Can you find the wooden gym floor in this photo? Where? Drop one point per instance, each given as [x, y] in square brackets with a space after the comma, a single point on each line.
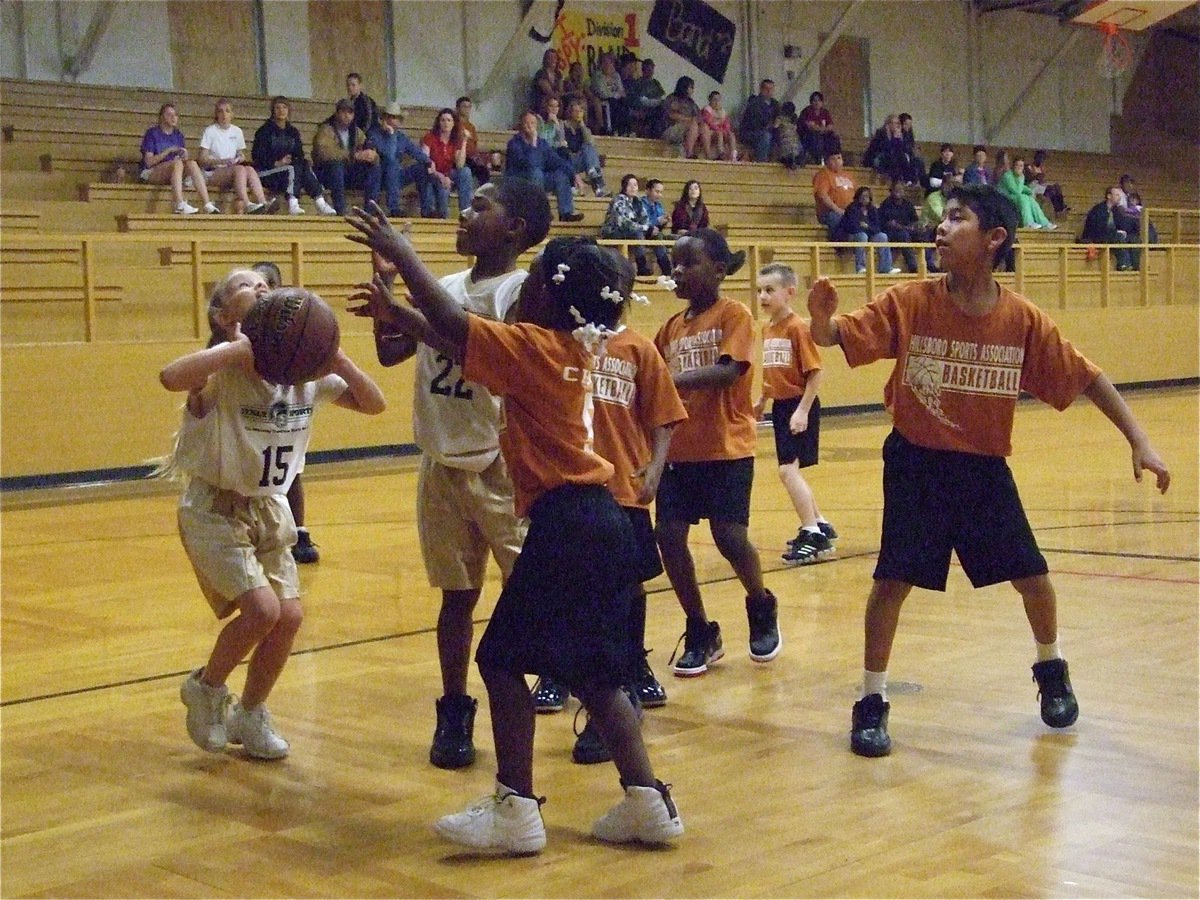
[104, 795]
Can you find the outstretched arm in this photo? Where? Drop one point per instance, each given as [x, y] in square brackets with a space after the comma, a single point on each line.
[1112, 404]
[362, 394]
[191, 372]
[398, 327]
[822, 304]
[442, 312]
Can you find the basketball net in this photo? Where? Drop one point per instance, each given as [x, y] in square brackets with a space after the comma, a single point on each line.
[1116, 56]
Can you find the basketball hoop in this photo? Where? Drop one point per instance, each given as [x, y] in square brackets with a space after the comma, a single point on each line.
[1117, 55]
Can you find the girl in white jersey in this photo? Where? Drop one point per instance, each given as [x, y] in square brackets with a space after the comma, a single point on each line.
[241, 443]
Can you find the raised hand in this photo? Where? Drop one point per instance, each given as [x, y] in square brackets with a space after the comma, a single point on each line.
[376, 232]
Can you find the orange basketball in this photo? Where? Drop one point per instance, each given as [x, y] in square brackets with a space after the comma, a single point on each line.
[294, 334]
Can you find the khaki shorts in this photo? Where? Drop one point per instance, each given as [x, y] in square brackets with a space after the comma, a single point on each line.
[237, 544]
[461, 515]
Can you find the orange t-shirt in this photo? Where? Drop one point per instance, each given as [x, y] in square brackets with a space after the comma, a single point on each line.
[789, 356]
[957, 377]
[542, 379]
[838, 186]
[720, 423]
[633, 394]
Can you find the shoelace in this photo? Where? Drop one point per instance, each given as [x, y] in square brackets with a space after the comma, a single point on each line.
[678, 644]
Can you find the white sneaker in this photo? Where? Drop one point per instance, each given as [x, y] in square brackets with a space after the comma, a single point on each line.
[252, 729]
[860, 270]
[1051, 227]
[253, 207]
[895, 270]
[646, 815]
[294, 207]
[211, 207]
[501, 821]
[206, 711]
[324, 208]
[185, 209]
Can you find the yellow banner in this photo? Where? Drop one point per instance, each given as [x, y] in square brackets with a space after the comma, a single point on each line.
[583, 37]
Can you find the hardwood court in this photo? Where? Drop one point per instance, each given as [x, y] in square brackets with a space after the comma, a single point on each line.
[104, 795]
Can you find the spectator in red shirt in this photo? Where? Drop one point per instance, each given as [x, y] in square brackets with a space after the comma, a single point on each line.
[447, 148]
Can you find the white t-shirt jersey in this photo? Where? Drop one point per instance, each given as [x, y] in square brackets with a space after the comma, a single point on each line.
[457, 422]
[255, 435]
[223, 143]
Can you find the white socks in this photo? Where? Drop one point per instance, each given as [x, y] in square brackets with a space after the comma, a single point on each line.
[875, 683]
[1048, 651]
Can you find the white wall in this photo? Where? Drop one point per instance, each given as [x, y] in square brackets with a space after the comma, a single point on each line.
[918, 58]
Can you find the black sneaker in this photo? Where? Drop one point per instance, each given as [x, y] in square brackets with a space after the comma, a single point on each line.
[807, 549]
[549, 696]
[589, 749]
[647, 688]
[828, 530]
[304, 551]
[571, 217]
[701, 646]
[453, 747]
[1059, 707]
[765, 642]
[868, 727]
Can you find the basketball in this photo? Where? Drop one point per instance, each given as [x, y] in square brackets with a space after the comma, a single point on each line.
[294, 334]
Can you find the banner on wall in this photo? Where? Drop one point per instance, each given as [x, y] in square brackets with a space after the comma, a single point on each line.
[695, 31]
[584, 36]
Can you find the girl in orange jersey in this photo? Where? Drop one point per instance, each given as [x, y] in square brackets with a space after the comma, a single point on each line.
[710, 466]
[560, 613]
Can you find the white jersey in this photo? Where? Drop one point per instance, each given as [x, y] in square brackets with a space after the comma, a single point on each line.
[457, 422]
[223, 143]
[255, 435]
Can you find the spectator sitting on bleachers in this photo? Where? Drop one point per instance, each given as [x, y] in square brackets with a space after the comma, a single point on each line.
[445, 145]
[978, 172]
[550, 126]
[681, 118]
[657, 222]
[716, 130]
[278, 155]
[1035, 177]
[942, 168]
[223, 158]
[476, 159]
[916, 165]
[932, 213]
[898, 217]
[689, 213]
[860, 223]
[630, 68]
[366, 113]
[341, 157]
[1130, 214]
[627, 219]
[886, 154]
[581, 148]
[1012, 185]
[1002, 165]
[644, 101]
[787, 136]
[531, 158]
[816, 129]
[165, 161]
[757, 126]
[575, 84]
[833, 191]
[392, 145]
[1101, 227]
[609, 91]
[547, 81]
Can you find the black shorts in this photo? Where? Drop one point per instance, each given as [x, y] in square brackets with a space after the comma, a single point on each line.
[647, 563]
[796, 448]
[935, 501]
[564, 610]
[717, 490]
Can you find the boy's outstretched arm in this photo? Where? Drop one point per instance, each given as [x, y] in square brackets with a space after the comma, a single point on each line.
[822, 304]
[375, 231]
[1112, 404]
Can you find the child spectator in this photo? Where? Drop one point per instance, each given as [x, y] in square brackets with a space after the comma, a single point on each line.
[1035, 177]
[560, 613]
[787, 136]
[234, 520]
[816, 129]
[366, 113]
[791, 378]
[710, 466]
[946, 485]
[716, 131]
[689, 213]
[942, 168]
[657, 223]
[465, 505]
[165, 161]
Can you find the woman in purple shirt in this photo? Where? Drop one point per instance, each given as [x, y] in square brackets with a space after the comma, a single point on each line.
[165, 161]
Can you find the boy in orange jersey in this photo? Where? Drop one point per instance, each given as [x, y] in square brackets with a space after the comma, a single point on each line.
[710, 466]
[791, 377]
[636, 410]
[964, 349]
[562, 611]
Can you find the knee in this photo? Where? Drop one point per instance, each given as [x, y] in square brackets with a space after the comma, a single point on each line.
[731, 539]
[291, 615]
[260, 609]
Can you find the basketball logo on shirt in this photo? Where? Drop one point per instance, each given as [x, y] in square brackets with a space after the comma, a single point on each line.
[935, 365]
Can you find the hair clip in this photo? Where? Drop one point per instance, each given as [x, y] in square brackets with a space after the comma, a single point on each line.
[612, 295]
[667, 281]
[576, 314]
[561, 275]
[639, 298]
[593, 337]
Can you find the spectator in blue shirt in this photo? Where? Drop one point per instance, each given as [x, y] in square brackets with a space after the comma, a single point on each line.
[529, 157]
[393, 145]
[658, 222]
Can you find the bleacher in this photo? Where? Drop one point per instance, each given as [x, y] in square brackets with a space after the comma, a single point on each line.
[89, 252]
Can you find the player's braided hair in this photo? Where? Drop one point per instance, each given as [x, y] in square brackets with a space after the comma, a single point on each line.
[588, 285]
